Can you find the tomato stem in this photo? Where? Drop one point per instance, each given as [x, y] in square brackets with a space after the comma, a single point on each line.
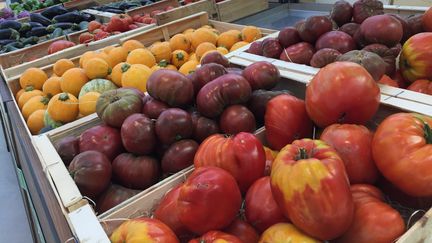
[427, 133]
[302, 154]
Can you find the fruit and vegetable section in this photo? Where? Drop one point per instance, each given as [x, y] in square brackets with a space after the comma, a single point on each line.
[194, 131]
[390, 46]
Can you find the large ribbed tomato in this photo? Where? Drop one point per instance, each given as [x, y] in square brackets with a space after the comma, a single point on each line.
[402, 150]
[374, 220]
[209, 200]
[143, 230]
[353, 144]
[284, 232]
[311, 187]
[342, 92]
[241, 155]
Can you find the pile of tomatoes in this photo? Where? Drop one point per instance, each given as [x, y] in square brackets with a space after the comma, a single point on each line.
[317, 189]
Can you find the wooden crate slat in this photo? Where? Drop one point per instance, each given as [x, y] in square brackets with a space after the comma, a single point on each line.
[53, 164]
[86, 227]
[231, 10]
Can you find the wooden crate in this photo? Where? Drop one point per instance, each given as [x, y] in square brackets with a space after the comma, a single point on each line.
[164, 32]
[80, 215]
[12, 75]
[303, 74]
[144, 205]
[231, 10]
[187, 10]
[24, 55]
[41, 57]
[151, 7]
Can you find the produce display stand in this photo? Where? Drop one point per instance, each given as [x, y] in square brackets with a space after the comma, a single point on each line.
[64, 214]
[39, 154]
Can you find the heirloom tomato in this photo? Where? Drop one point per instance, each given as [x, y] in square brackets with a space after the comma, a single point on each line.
[311, 187]
[353, 144]
[414, 60]
[402, 150]
[143, 230]
[261, 209]
[208, 200]
[243, 230]
[286, 120]
[342, 92]
[270, 157]
[421, 86]
[215, 236]
[284, 232]
[167, 212]
[374, 220]
[241, 155]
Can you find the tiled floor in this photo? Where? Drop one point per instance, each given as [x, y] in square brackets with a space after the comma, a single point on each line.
[14, 226]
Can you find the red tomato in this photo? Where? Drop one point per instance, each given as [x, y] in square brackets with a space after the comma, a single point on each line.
[59, 45]
[342, 92]
[261, 209]
[402, 150]
[167, 212]
[422, 86]
[85, 38]
[270, 156]
[286, 120]
[208, 200]
[93, 25]
[283, 233]
[353, 144]
[388, 81]
[374, 221]
[241, 155]
[143, 230]
[311, 187]
[242, 230]
[215, 237]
